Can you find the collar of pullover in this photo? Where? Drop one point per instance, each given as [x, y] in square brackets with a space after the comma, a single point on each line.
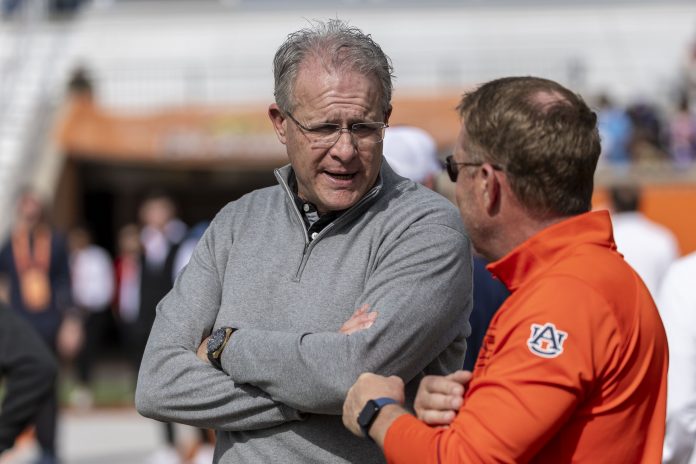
[386, 182]
[534, 256]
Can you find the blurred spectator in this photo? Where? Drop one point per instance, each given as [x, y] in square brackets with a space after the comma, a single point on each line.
[412, 153]
[29, 371]
[160, 237]
[35, 262]
[127, 295]
[202, 450]
[65, 8]
[80, 84]
[682, 128]
[60, 8]
[93, 290]
[489, 294]
[9, 7]
[677, 306]
[188, 244]
[615, 130]
[647, 144]
[690, 74]
[647, 246]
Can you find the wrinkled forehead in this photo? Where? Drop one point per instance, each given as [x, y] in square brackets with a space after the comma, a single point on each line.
[315, 80]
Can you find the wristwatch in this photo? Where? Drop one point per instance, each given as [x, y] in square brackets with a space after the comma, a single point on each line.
[369, 413]
[217, 343]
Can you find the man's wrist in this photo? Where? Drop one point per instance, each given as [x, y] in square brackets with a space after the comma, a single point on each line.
[370, 411]
[217, 344]
[386, 417]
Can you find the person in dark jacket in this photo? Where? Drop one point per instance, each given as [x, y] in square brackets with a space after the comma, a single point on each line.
[34, 262]
[28, 369]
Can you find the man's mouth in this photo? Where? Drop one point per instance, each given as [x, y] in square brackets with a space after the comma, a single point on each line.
[340, 176]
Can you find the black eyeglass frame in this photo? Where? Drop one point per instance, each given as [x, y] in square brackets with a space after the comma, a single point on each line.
[452, 166]
[339, 130]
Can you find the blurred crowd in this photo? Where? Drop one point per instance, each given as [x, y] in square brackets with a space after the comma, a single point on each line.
[72, 291]
[643, 133]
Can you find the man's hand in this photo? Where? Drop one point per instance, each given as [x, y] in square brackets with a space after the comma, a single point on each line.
[369, 387]
[360, 320]
[440, 397]
[202, 351]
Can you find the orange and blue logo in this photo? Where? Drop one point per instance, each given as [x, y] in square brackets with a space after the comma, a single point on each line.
[546, 340]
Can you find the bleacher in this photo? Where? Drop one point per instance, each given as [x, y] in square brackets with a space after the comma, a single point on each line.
[147, 55]
[32, 65]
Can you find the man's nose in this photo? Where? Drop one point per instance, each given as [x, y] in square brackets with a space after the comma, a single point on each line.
[345, 147]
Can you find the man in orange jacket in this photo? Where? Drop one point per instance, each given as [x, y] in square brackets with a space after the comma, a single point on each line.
[573, 366]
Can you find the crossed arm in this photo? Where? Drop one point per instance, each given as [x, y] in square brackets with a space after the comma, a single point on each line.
[361, 319]
[437, 402]
[303, 372]
[497, 423]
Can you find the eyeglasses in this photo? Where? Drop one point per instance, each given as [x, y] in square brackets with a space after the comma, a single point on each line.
[453, 167]
[326, 135]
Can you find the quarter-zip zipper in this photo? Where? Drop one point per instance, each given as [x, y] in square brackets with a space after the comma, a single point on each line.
[309, 245]
[298, 216]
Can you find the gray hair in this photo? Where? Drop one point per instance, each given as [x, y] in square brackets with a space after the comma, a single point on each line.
[338, 47]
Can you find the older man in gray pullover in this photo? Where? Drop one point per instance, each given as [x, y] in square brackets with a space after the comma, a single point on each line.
[259, 339]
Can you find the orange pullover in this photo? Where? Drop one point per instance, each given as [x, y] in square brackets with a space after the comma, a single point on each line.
[573, 366]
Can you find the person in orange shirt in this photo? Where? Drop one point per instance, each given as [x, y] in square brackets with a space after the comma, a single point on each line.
[573, 366]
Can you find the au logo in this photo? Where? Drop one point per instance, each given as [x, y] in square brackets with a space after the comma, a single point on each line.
[546, 340]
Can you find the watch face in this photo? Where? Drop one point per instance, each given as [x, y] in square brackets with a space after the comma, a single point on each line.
[216, 340]
[367, 414]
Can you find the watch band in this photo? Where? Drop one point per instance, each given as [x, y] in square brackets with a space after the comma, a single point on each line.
[370, 412]
[215, 353]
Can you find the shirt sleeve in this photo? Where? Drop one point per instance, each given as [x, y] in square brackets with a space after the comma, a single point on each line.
[173, 384]
[421, 289]
[29, 370]
[677, 305]
[534, 378]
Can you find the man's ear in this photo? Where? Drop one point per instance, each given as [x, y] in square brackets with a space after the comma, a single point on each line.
[279, 122]
[387, 115]
[491, 189]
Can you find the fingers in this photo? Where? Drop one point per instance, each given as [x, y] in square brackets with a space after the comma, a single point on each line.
[361, 310]
[461, 377]
[440, 397]
[357, 323]
[446, 385]
[202, 351]
[359, 320]
[436, 418]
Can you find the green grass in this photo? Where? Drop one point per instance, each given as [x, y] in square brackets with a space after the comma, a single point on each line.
[112, 386]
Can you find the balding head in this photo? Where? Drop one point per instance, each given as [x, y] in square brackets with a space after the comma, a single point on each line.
[543, 135]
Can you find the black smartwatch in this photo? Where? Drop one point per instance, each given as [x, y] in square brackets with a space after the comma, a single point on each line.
[369, 413]
[216, 343]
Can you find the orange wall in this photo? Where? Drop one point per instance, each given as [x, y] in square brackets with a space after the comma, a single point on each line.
[673, 206]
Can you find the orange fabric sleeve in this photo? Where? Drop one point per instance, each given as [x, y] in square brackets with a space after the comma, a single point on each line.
[518, 400]
[410, 441]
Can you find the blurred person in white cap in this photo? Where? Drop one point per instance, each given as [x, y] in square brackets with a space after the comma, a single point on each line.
[412, 153]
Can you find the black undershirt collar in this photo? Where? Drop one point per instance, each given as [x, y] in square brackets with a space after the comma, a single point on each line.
[313, 221]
